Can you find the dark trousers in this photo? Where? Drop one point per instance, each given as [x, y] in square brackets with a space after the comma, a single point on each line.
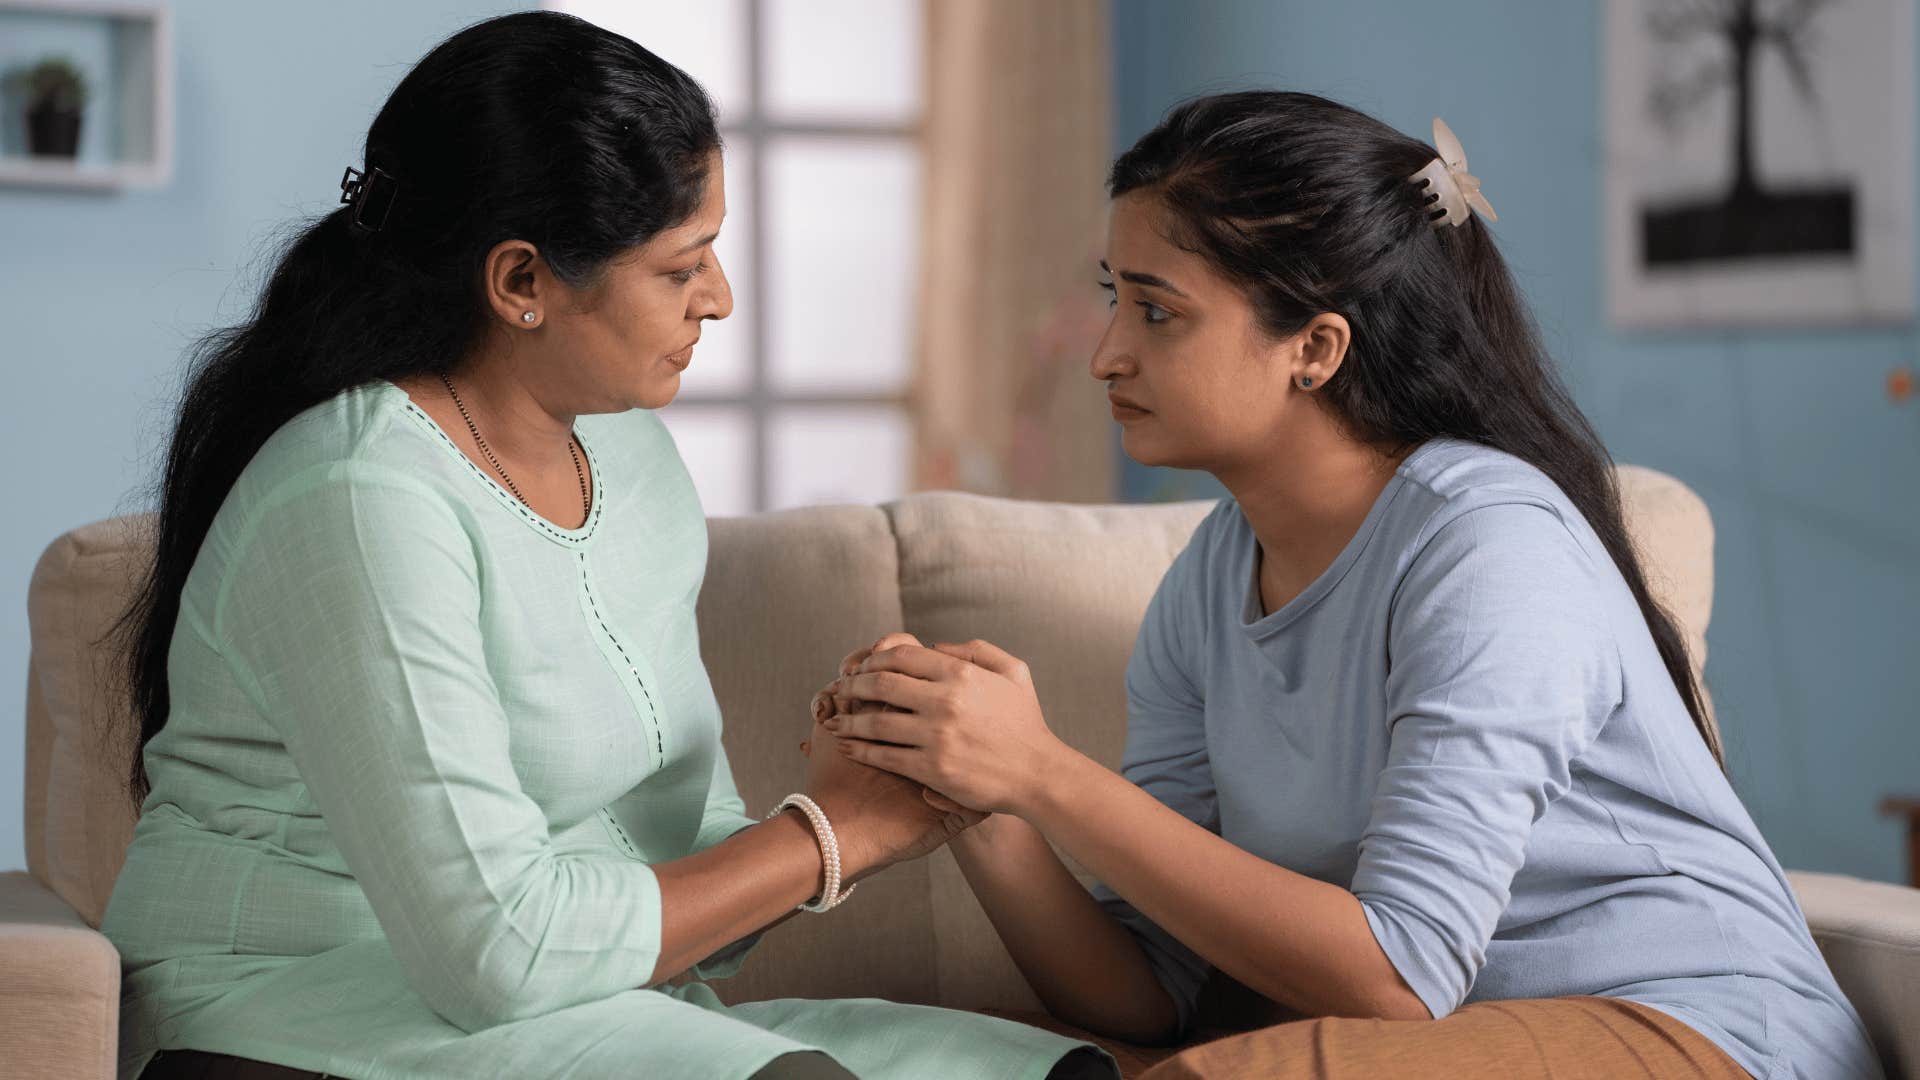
[201, 1065]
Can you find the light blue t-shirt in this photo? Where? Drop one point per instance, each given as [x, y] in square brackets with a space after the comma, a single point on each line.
[1465, 721]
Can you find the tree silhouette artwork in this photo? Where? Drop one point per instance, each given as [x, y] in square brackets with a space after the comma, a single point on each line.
[1749, 218]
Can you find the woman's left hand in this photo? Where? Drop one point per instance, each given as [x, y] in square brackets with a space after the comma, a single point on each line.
[964, 720]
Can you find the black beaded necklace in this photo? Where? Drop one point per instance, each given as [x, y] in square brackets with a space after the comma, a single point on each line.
[586, 500]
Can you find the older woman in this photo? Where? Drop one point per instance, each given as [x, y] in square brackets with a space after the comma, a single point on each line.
[435, 780]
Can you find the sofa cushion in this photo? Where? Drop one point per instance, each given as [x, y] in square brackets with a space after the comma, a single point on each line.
[79, 814]
[59, 986]
[1869, 932]
[1673, 531]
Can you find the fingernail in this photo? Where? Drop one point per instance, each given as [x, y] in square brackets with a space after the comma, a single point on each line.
[831, 723]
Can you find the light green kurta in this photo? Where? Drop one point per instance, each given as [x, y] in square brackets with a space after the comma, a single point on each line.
[424, 745]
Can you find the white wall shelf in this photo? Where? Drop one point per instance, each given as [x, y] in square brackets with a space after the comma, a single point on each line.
[124, 49]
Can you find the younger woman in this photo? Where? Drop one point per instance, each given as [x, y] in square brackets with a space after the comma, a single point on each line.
[1411, 748]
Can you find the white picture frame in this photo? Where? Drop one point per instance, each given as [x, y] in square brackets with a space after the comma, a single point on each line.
[133, 111]
[1808, 218]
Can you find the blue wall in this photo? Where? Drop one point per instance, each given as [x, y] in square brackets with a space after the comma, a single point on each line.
[103, 291]
[1812, 474]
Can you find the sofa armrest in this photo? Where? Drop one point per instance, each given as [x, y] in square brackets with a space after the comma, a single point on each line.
[59, 986]
[1870, 934]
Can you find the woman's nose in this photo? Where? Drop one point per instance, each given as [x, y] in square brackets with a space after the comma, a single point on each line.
[716, 302]
[1109, 358]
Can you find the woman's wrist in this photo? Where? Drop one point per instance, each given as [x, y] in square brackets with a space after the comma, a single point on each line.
[1072, 778]
[857, 859]
[794, 821]
[988, 836]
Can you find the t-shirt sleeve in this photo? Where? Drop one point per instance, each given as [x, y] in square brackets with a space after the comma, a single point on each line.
[1166, 753]
[1503, 670]
[350, 612]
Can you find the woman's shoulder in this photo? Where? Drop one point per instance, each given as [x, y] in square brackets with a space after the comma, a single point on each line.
[345, 438]
[1466, 473]
[1454, 477]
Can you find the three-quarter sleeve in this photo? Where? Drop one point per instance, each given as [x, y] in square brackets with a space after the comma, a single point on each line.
[1166, 754]
[1503, 670]
[350, 613]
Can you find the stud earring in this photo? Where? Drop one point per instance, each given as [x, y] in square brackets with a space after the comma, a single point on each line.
[1306, 383]
[526, 316]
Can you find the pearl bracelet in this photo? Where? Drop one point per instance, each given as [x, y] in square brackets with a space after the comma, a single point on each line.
[831, 897]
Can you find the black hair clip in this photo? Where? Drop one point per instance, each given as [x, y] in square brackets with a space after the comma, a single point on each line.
[371, 195]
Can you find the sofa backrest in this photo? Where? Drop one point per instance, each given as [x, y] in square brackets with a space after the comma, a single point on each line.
[787, 595]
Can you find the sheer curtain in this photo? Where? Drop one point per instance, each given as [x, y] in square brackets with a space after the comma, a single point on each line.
[1016, 146]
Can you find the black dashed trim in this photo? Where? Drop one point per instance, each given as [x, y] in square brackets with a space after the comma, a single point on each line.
[659, 745]
[620, 832]
[578, 536]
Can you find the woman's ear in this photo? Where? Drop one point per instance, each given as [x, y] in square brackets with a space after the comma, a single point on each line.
[1323, 347]
[516, 284]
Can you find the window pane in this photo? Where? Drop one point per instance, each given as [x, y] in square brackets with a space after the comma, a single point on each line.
[838, 454]
[842, 60]
[843, 237]
[715, 442]
[723, 361]
[707, 40]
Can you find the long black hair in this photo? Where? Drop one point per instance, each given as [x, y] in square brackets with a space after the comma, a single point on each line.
[1305, 205]
[536, 126]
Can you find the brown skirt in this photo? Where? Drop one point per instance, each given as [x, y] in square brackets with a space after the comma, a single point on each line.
[1564, 1038]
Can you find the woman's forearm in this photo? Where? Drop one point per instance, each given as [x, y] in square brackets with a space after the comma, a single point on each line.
[1297, 940]
[1084, 966]
[751, 880]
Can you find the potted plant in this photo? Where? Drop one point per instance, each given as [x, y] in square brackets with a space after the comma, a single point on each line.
[56, 92]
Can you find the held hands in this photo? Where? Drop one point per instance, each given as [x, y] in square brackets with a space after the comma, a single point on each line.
[961, 719]
[879, 818]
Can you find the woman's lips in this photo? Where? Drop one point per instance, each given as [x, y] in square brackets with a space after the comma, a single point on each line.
[681, 359]
[1123, 411]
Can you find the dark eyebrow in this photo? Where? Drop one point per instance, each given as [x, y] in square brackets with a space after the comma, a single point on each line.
[1151, 280]
[702, 242]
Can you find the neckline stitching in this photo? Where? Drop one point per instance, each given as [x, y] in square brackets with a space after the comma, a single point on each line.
[501, 495]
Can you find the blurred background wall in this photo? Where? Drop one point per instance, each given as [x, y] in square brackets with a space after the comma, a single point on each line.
[104, 291]
[1811, 472]
[1807, 466]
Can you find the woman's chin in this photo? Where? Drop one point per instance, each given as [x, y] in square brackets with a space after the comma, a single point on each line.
[659, 392]
[1146, 450]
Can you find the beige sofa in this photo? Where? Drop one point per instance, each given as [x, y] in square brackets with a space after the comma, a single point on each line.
[786, 596]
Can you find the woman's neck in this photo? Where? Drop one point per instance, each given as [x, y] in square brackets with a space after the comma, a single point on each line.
[1305, 502]
[510, 414]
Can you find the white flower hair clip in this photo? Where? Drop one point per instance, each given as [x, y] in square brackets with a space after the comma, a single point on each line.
[1451, 189]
